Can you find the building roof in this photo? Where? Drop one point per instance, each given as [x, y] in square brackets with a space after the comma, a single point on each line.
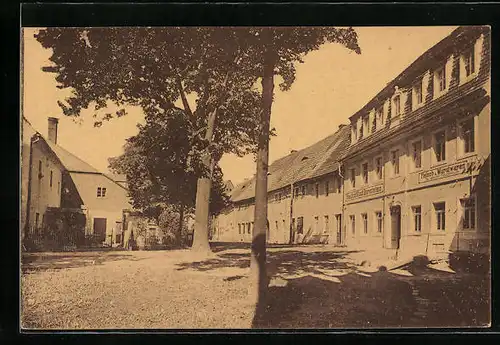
[117, 177]
[71, 162]
[433, 54]
[456, 98]
[316, 160]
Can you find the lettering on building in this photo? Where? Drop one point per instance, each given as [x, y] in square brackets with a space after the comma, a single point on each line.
[460, 168]
[360, 193]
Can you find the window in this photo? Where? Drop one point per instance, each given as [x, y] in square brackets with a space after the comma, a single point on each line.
[467, 135]
[378, 167]
[439, 146]
[338, 184]
[327, 188]
[395, 162]
[326, 228]
[417, 89]
[239, 228]
[296, 192]
[469, 213]
[293, 224]
[378, 217]
[364, 217]
[366, 124]
[37, 220]
[51, 177]
[361, 130]
[316, 189]
[469, 62]
[353, 224]
[397, 105]
[249, 227]
[300, 225]
[416, 149]
[303, 192]
[355, 132]
[40, 175]
[440, 210]
[379, 117]
[441, 79]
[417, 218]
[101, 192]
[365, 173]
[353, 178]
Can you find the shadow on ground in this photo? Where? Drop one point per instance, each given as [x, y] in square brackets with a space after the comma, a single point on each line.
[322, 289]
[33, 262]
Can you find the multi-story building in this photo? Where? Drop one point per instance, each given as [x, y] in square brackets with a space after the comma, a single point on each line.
[311, 176]
[415, 176]
[417, 169]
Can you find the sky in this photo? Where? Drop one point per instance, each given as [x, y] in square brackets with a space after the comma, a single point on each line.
[331, 85]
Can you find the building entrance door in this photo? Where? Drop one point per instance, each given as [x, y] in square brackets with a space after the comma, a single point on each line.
[100, 229]
[395, 226]
[338, 226]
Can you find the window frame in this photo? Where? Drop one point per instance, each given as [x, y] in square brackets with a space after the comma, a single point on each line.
[381, 176]
[463, 210]
[398, 160]
[434, 142]
[462, 144]
[352, 221]
[414, 217]
[419, 140]
[418, 84]
[436, 224]
[439, 82]
[379, 229]
[364, 220]
[469, 52]
[365, 178]
[393, 105]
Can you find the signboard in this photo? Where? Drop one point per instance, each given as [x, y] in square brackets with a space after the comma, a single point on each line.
[460, 168]
[360, 193]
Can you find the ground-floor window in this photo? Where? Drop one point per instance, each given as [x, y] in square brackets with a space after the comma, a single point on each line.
[326, 228]
[353, 224]
[378, 218]
[469, 213]
[417, 218]
[249, 227]
[239, 228]
[440, 210]
[364, 217]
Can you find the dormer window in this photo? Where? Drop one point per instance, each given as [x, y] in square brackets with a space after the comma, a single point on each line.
[379, 118]
[354, 132]
[417, 93]
[396, 105]
[469, 62]
[441, 79]
[366, 124]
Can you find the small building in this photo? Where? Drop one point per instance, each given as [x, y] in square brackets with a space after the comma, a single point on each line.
[54, 178]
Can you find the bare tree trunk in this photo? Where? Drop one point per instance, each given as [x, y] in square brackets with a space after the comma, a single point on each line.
[258, 274]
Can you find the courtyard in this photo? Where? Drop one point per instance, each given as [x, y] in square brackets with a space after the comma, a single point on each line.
[311, 286]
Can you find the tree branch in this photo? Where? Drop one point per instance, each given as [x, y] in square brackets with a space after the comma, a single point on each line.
[185, 102]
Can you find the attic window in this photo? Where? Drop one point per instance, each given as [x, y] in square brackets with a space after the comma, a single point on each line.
[101, 192]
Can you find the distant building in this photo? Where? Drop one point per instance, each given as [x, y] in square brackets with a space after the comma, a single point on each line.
[410, 173]
[59, 179]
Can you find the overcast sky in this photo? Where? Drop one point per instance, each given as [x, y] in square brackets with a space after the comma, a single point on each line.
[331, 85]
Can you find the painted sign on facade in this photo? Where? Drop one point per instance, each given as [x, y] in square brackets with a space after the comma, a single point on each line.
[360, 193]
[460, 168]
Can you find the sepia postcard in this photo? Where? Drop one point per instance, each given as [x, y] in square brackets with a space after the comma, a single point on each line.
[255, 177]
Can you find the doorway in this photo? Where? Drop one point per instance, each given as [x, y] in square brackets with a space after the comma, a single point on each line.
[338, 226]
[395, 226]
[100, 229]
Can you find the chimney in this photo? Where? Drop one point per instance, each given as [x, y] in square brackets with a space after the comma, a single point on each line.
[53, 129]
